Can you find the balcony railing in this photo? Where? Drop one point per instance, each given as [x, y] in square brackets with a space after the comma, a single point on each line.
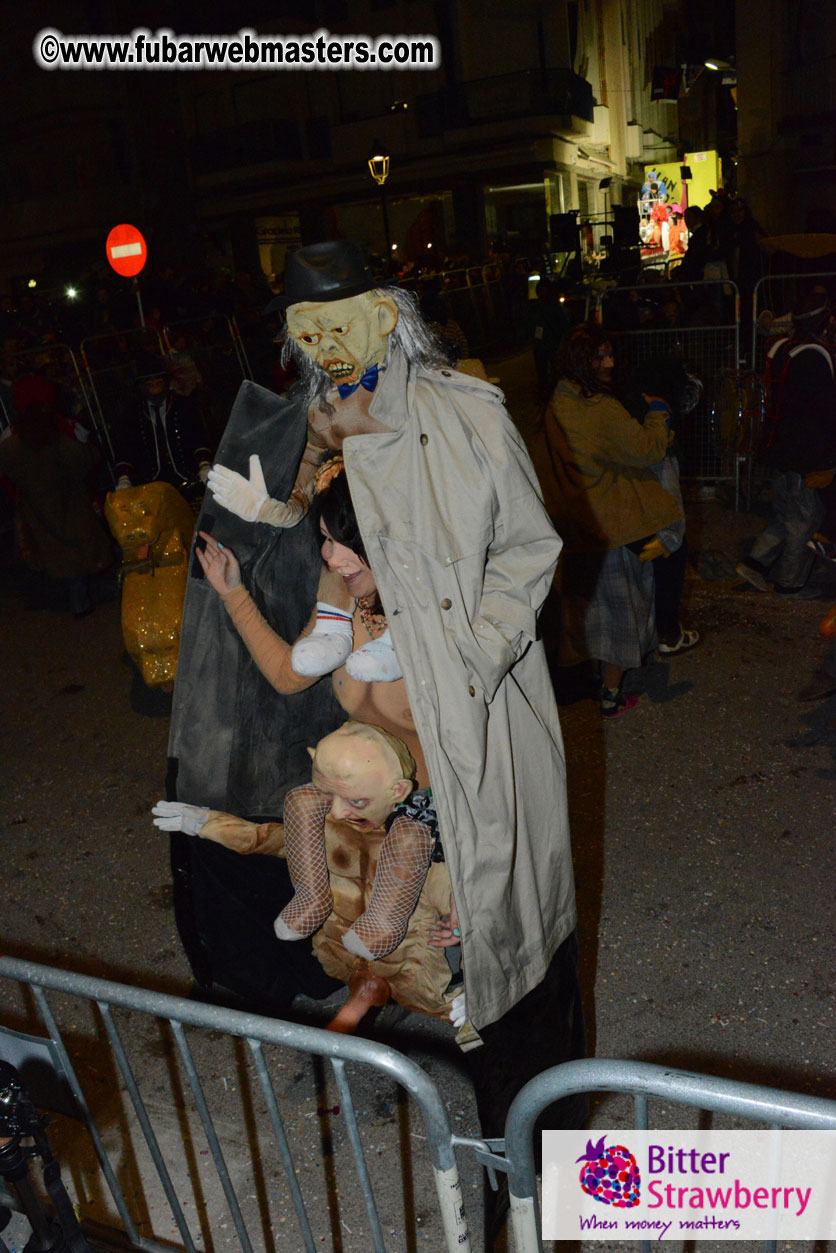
[529, 93]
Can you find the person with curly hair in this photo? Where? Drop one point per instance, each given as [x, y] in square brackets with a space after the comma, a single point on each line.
[596, 470]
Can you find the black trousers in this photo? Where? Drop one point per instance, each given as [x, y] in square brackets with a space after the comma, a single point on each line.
[544, 1029]
[225, 905]
[669, 575]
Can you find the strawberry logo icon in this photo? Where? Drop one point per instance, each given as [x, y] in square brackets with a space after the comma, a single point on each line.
[610, 1175]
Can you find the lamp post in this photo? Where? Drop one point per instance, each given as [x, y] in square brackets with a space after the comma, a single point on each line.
[379, 170]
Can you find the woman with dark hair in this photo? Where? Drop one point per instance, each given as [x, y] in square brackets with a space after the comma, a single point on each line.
[608, 506]
[384, 704]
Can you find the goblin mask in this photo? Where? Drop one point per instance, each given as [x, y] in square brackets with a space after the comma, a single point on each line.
[344, 337]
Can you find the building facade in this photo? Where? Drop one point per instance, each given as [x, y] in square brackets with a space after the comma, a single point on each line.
[533, 105]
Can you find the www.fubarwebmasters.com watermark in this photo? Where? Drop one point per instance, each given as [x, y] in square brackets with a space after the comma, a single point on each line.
[163, 50]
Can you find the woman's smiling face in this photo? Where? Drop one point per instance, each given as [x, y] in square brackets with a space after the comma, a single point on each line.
[357, 576]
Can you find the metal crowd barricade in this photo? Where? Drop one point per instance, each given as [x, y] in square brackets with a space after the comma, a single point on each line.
[479, 306]
[111, 361]
[209, 356]
[125, 1065]
[737, 417]
[708, 351]
[752, 1102]
[779, 294]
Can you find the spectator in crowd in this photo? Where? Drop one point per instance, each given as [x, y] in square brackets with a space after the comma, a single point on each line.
[160, 434]
[800, 448]
[595, 464]
[677, 235]
[59, 535]
[746, 257]
[437, 314]
[693, 263]
[666, 376]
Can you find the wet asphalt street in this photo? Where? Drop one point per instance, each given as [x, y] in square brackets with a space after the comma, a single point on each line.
[702, 823]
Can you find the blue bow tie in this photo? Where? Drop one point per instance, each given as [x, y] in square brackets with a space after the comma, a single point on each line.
[369, 381]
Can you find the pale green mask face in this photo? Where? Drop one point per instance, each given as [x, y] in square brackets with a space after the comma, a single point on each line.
[344, 337]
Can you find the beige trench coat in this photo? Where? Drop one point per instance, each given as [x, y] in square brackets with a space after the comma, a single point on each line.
[463, 554]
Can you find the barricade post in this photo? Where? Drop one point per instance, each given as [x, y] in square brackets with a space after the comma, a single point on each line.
[257, 1031]
[110, 361]
[207, 357]
[642, 1080]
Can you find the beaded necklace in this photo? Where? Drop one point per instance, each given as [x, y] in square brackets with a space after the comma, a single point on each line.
[375, 623]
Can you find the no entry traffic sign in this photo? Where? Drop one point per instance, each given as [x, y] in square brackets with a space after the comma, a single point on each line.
[126, 250]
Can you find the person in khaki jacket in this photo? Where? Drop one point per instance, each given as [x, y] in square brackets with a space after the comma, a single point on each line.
[463, 555]
[595, 464]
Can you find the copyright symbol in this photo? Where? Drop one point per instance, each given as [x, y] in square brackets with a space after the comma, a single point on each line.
[46, 48]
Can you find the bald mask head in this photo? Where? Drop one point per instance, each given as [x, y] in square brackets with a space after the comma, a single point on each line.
[361, 772]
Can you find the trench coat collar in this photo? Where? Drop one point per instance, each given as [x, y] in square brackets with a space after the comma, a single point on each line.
[393, 395]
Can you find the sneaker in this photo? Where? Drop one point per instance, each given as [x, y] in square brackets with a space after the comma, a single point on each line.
[687, 639]
[614, 704]
[752, 575]
[823, 547]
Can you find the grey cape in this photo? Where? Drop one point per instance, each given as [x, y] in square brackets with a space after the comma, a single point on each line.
[236, 744]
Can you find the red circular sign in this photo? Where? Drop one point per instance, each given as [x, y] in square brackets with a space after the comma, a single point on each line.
[126, 250]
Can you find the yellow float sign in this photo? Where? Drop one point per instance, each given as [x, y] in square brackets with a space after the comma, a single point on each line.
[705, 178]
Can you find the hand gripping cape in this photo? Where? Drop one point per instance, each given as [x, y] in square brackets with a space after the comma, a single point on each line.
[236, 745]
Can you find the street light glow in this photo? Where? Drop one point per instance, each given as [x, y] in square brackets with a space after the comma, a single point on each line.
[71, 293]
[33, 282]
[378, 163]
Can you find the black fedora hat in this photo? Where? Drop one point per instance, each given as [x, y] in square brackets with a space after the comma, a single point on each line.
[333, 270]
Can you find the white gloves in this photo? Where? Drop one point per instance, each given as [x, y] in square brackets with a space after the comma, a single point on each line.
[246, 498]
[177, 816]
[458, 1010]
[243, 497]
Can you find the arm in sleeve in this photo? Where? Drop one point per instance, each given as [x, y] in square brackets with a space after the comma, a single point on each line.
[291, 511]
[242, 836]
[627, 442]
[268, 650]
[519, 565]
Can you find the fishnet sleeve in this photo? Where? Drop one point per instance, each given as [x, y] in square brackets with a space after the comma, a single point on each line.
[305, 811]
[401, 870]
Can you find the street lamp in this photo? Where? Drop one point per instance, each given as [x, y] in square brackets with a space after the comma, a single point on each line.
[379, 170]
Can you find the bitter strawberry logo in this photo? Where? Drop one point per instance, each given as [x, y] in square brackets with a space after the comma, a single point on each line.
[610, 1175]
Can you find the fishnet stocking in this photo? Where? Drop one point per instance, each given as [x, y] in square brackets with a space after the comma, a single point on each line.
[305, 811]
[401, 870]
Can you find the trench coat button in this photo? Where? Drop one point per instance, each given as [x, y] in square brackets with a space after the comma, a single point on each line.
[472, 690]
[425, 439]
[447, 603]
[447, 374]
